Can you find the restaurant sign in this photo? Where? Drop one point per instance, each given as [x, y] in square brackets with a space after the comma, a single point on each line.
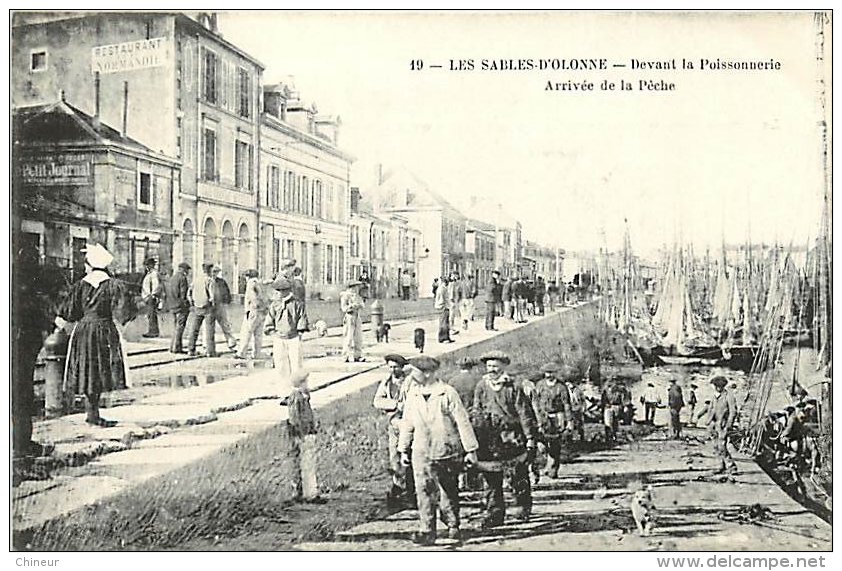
[129, 56]
[63, 169]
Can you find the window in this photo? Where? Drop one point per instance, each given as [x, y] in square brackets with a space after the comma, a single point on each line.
[276, 255]
[274, 187]
[355, 241]
[290, 253]
[289, 177]
[329, 273]
[210, 87]
[244, 84]
[242, 165]
[38, 60]
[317, 200]
[144, 191]
[303, 261]
[340, 263]
[305, 191]
[209, 171]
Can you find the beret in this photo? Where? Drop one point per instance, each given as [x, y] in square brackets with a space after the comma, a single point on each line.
[425, 363]
[395, 358]
[495, 356]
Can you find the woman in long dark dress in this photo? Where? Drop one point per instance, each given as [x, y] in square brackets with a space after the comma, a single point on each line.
[95, 357]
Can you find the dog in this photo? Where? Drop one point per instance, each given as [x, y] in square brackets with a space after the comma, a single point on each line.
[321, 328]
[382, 332]
[643, 510]
[419, 339]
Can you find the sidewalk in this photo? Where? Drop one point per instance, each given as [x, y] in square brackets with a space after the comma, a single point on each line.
[165, 431]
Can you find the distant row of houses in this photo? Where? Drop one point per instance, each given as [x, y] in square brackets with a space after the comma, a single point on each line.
[151, 133]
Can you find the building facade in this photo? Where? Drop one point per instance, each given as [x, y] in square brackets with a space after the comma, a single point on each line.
[77, 180]
[441, 225]
[305, 192]
[173, 84]
[480, 249]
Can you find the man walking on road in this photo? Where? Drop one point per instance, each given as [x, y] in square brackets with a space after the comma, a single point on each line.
[152, 292]
[222, 297]
[286, 321]
[441, 305]
[255, 306]
[437, 429]
[692, 401]
[201, 296]
[468, 291]
[722, 416]
[650, 400]
[506, 296]
[350, 303]
[406, 285]
[507, 431]
[555, 416]
[493, 298]
[675, 400]
[390, 398]
[179, 303]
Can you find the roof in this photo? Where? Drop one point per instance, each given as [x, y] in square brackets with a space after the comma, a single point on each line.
[420, 185]
[63, 124]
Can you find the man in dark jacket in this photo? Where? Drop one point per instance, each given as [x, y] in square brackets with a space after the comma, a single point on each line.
[493, 298]
[222, 297]
[675, 400]
[179, 304]
[506, 428]
[555, 415]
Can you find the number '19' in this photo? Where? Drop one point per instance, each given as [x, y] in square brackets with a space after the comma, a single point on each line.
[416, 65]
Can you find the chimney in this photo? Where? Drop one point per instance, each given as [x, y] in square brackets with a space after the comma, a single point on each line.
[125, 108]
[96, 99]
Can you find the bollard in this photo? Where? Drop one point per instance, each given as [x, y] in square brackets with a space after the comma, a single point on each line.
[55, 355]
[376, 313]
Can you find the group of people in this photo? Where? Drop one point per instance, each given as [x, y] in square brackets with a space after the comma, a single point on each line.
[454, 302]
[434, 438]
[517, 298]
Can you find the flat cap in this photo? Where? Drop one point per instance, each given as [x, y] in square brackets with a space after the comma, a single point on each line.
[395, 358]
[467, 362]
[149, 262]
[550, 367]
[425, 363]
[694, 386]
[719, 381]
[184, 266]
[495, 356]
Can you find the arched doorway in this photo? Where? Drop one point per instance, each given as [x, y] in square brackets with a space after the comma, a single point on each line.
[209, 242]
[188, 238]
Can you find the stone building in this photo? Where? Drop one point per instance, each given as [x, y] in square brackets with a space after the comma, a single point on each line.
[173, 84]
[77, 179]
[441, 225]
[305, 192]
[479, 249]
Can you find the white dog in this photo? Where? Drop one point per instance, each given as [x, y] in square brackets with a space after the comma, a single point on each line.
[643, 510]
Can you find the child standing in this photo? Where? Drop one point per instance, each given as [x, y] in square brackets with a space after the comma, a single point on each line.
[302, 431]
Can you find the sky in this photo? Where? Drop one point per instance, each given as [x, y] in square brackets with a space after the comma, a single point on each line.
[727, 154]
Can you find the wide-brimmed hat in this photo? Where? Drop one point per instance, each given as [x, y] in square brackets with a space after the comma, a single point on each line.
[719, 381]
[425, 363]
[396, 359]
[97, 256]
[150, 262]
[495, 356]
